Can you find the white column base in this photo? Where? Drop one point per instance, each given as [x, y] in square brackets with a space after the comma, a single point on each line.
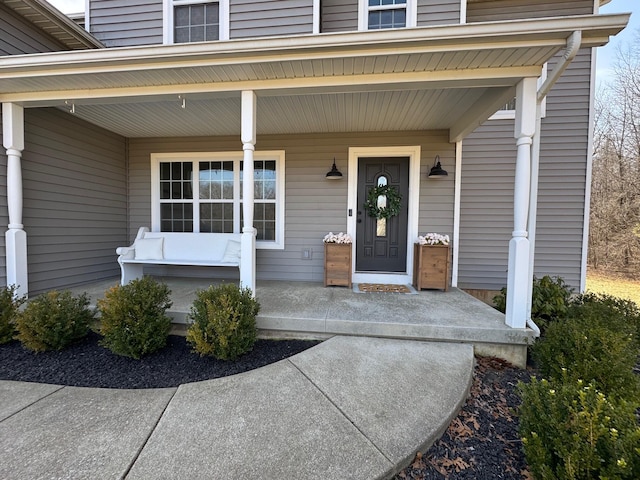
[16, 250]
[517, 288]
[248, 259]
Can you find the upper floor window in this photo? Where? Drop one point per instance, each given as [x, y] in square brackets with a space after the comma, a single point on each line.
[187, 21]
[384, 14]
[196, 23]
[387, 14]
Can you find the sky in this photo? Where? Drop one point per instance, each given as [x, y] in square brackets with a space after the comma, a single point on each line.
[606, 54]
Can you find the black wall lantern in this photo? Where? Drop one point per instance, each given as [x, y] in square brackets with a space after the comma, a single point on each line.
[334, 173]
[437, 171]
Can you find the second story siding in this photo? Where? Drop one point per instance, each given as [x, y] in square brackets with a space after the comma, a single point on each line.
[440, 12]
[251, 18]
[121, 23]
[495, 10]
[338, 16]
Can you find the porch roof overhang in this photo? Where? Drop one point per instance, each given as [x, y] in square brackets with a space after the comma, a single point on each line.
[445, 77]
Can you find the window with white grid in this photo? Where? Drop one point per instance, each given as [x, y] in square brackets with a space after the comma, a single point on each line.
[203, 193]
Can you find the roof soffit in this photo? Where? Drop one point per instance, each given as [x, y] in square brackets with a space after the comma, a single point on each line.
[55, 23]
[498, 49]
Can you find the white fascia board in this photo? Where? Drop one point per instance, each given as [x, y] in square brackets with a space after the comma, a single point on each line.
[443, 79]
[476, 36]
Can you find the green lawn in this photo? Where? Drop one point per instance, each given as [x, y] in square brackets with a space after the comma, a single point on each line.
[598, 282]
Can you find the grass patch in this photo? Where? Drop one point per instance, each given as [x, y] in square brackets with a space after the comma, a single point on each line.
[598, 282]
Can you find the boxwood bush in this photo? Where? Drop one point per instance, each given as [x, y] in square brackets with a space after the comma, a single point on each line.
[9, 308]
[570, 430]
[54, 320]
[133, 319]
[223, 321]
[597, 342]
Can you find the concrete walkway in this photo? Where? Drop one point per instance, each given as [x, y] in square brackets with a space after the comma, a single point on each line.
[351, 407]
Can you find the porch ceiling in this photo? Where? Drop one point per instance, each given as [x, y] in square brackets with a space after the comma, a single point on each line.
[410, 79]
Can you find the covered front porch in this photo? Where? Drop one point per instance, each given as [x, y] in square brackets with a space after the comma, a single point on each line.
[309, 310]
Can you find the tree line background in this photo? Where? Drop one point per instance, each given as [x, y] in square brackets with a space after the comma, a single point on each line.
[614, 236]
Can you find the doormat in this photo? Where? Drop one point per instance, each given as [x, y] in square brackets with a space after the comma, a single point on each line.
[383, 287]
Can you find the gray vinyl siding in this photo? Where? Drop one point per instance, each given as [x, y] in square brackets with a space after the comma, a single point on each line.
[314, 206]
[495, 10]
[75, 206]
[18, 36]
[442, 12]
[121, 23]
[488, 167]
[251, 18]
[487, 188]
[338, 16]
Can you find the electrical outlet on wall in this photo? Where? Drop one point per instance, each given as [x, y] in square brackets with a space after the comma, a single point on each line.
[307, 253]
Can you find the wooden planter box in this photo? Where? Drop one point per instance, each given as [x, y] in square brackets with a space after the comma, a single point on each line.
[337, 264]
[431, 266]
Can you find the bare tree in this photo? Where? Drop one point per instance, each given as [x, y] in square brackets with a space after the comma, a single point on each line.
[614, 237]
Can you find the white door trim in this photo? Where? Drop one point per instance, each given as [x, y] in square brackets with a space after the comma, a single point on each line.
[413, 152]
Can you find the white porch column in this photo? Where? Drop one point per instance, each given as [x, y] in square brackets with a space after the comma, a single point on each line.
[518, 274]
[15, 237]
[248, 136]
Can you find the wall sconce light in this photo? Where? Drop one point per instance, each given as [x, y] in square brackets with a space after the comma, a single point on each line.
[437, 171]
[334, 173]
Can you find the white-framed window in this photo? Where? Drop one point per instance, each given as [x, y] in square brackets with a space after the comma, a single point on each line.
[188, 21]
[213, 203]
[385, 14]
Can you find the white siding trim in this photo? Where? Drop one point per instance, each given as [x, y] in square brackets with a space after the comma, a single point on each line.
[463, 11]
[224, 20]
[87, 15]
[413, 152]
[588, 176]
[316, 17]
[457, 193]
[278, 155]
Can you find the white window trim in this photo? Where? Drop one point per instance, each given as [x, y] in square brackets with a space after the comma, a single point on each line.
[236, 157]
[363, 13]
[511, 114]
[167, 18]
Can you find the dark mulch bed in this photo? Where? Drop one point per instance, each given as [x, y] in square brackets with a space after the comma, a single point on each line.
[87, 364]
[482, 442]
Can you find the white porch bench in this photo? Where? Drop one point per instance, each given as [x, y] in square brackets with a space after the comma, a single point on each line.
[169, 248]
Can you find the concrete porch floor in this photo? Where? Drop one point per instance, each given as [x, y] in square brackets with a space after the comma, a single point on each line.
[312, 311]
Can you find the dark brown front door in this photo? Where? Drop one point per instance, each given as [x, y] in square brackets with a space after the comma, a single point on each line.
[381, 244]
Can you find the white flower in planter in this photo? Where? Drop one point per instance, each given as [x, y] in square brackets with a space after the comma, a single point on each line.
[338, 238]
[433, 239]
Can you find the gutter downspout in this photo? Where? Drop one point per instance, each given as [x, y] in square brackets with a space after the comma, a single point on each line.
[573, 45]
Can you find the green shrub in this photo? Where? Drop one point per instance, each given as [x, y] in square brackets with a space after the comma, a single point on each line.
[223, 321]
[595, 343]
[9, 307]
[572, 431]
[133, 317]
[54, 320]
[549, 301]
[622, 308]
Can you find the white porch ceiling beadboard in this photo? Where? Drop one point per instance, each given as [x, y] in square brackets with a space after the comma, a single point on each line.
[343, 112]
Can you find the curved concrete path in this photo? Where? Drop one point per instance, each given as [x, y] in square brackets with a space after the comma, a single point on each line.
[351, 407]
